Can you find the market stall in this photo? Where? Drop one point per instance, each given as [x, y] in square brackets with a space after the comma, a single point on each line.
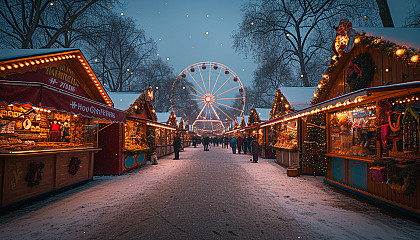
[137, 139]
[372, 141]
[50, 107]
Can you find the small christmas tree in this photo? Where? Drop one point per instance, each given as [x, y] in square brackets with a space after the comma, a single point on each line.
[314, 145]
[181, 124]
[172, 120]
[236, 126]
[280, 105]
[253, 117]
[243, 124]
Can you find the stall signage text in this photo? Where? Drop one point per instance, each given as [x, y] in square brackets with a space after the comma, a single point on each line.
[91, 109]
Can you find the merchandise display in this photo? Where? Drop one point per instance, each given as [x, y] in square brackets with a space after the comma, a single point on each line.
[399, 119]
[25, 127]
[287, 135]
[353, 131]
[135, 136]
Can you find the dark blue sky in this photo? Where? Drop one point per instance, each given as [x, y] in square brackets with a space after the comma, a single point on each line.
[179, 27]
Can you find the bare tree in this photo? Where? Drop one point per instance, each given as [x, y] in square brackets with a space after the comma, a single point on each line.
[119, 53]
[413, 18]
[160, 76]
[40, 23]
[297, 22]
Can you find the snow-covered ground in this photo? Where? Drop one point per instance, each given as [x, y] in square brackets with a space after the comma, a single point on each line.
[325, 211]
[330, 212]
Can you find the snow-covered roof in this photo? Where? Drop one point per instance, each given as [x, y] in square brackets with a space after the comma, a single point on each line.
[163, 116]
[11, 54]
[122, 100]
[408, 37]
[263, 113]
[298, 97]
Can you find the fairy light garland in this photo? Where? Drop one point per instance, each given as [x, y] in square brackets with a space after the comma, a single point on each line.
[406, 55]
[21, 64]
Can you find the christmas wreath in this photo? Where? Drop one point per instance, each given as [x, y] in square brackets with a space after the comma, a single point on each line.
[360, 71]
[74, 165]
[34, 175]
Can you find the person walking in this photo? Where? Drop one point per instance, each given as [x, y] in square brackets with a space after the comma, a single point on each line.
[233, 143]
[239, 143]
[226, 142]
[245, 144]
[177, 145]
[254, 149]
[206, 142]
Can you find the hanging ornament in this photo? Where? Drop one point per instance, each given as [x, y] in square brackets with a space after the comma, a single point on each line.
[241, 90]
[203, 67]
[183, 75]
[192, 69]
[226, 72]
[215, 67]
[235, 79]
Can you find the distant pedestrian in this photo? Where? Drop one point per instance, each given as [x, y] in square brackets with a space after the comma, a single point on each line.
[245, 144]
[177, 145]
[233, 143]
[239, 144]
[226, 142]
[254, 149]
[206, 143]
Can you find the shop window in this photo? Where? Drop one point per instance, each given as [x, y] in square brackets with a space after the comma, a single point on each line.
[287, 135]
[353, 131]
[135, 136]
[26, 127]
[399, 130]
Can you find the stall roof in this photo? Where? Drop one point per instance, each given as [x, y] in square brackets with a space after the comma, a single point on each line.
[20, 61]
[163, 116]
[123, 100]
[298, 97]
[12, 54]
[263, 113]
[408, 37]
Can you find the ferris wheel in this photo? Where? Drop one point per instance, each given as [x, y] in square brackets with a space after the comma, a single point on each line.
[209, 96]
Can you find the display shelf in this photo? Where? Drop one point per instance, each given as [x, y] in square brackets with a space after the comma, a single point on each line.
[11, 153]
[359, 158]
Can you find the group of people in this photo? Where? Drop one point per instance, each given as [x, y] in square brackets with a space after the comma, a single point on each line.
[246, 144]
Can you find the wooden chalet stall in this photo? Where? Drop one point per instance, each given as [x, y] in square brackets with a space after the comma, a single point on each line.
[371, 98]
[130, 145]
[51, 104]
[286, 142]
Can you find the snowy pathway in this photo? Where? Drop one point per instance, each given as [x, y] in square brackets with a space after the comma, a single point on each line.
[206, 195]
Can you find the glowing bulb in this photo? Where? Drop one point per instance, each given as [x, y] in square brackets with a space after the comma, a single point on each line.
[399, 52]
[357, 40]
[415, 58]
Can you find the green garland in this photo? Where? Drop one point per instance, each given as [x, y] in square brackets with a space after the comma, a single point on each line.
[360, 80]
[386, 47]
